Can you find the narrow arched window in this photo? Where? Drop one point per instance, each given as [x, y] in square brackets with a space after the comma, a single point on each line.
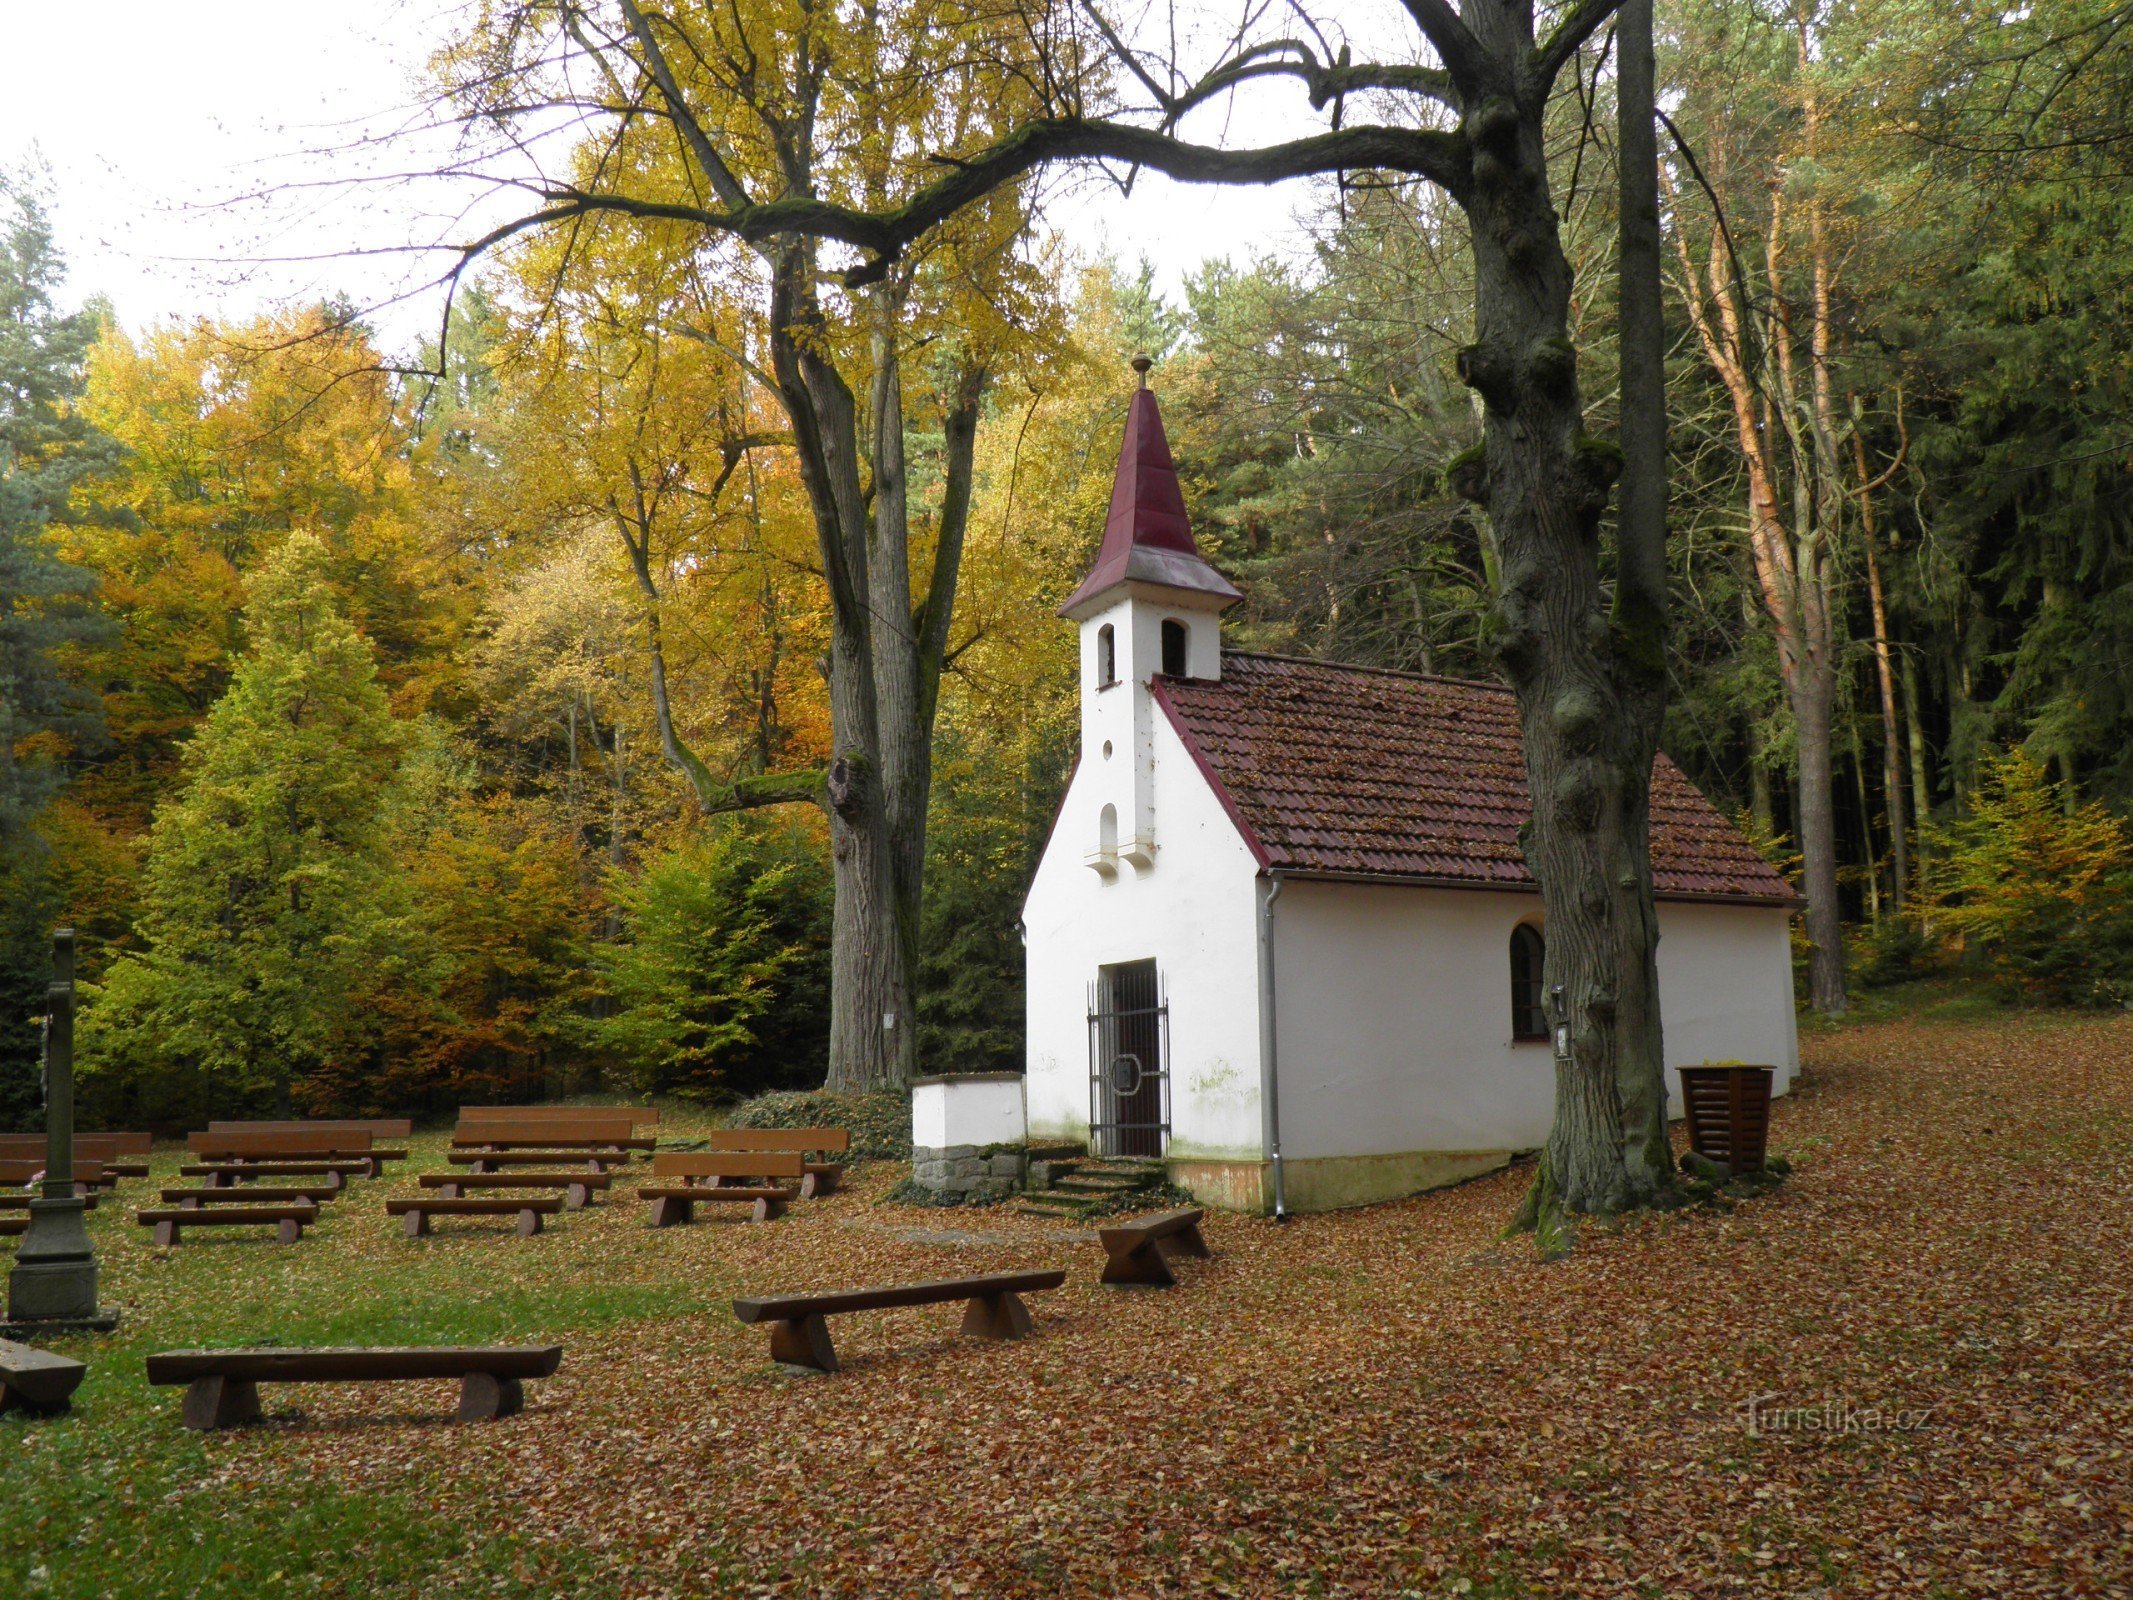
[1107, 831]
[1106, 657]
[1173, 648]
[1529, 1016]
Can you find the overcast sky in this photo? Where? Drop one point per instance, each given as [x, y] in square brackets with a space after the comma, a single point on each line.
[157, 117]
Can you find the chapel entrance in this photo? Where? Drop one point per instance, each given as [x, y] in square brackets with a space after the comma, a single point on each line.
[1129, 1061]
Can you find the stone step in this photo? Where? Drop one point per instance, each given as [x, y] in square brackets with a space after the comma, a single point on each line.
[1105, 1183]
[1055, 1203]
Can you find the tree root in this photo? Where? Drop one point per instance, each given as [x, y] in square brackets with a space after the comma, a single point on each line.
[1554, 1225]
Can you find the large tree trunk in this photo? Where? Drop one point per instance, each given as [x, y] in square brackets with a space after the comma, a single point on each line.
[1588, 685]
[869, 967]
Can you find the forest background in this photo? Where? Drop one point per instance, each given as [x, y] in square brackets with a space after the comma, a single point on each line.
[362, 720]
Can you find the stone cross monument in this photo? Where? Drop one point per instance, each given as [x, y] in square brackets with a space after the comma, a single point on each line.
[53, 1284]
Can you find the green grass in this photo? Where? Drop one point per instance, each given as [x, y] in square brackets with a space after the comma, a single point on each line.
[116, 1500]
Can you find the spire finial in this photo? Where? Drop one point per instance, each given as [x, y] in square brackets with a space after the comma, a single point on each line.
[1141, 363]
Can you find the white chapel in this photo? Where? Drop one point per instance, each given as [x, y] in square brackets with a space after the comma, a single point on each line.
[1282, 936]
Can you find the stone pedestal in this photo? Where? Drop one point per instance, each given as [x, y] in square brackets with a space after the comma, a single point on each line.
[54, 1277]
[968, 1134]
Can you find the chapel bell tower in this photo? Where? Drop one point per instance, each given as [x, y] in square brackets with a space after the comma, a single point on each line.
[1150, 606]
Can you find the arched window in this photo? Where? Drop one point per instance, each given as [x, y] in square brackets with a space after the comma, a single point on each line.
[1529, 1015]
[1106, 657]
[1173, 648]
[1107, 831]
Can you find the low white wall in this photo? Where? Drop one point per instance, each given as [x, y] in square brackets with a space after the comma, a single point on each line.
[979, 1108]
[1394, 1014]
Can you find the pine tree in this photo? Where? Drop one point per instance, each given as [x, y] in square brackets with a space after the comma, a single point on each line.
[271, 902]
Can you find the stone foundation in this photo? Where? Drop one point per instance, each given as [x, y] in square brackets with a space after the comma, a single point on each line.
[969, 1171]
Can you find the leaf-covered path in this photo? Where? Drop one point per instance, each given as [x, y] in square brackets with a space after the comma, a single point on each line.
[1379, 1403]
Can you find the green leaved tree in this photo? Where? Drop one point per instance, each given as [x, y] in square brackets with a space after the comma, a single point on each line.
[271, 902]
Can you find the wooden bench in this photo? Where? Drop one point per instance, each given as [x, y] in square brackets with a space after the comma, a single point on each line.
[817, 1177]
[36, 1380]
[577, 1187]
[640, 1116]
[21, 1201]
[222, 1174]
[18, 1172]
[222, 1385]
[288, 1220]
[14, 1227]
[376, 1127]
[415, 1213]
[800, 1338]
[551, 1133]
[120, 1157]
[251, 1194]
[303, 1145]
[1140, 1251]
[487, 1161]
[695, 1178]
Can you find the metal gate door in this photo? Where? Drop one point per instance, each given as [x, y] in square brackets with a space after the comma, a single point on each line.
[1129, 1061]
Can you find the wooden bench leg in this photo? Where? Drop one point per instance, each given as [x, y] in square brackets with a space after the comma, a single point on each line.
[998, 1316]
[212, 1403]
[668, 1210]
[415, 1224]
[576, 1196]
[766, 1211]
[448, 1191]
[483, 1397]
[290, 1230]
[1187, 1242]
[1140, 1263]
[190, 1203]
[220, 1180]
[803, 1343]
[529, 1223]
[166, 1235]
[336, 1180]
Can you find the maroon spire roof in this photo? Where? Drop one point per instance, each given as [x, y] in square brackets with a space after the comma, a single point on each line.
[1148, 537]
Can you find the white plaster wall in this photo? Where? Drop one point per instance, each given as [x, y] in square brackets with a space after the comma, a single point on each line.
[1394, 1014]
[980, 1110]
[1194, 911]
[1123, 714]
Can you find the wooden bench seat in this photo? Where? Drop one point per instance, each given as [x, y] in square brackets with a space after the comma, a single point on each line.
[250, 1194]
[799, 1337]
[221, 1174]
[684, 1179]
[222, 1385]
[1140, 1251]
[288, 1221]
[20, 1200]
[816, 1177]
[36, 1380]
[415, 1212]
[14, 1227]
[578, 1187]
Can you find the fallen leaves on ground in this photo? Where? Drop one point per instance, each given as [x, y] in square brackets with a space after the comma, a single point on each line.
[1376, 1403]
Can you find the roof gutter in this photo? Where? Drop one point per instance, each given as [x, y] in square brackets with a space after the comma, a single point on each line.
[1269, 1075]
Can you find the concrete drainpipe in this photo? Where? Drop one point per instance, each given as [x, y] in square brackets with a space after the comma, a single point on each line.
[1270, 1078]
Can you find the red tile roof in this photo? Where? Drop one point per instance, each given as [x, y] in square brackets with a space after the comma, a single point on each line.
[1366, 773]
